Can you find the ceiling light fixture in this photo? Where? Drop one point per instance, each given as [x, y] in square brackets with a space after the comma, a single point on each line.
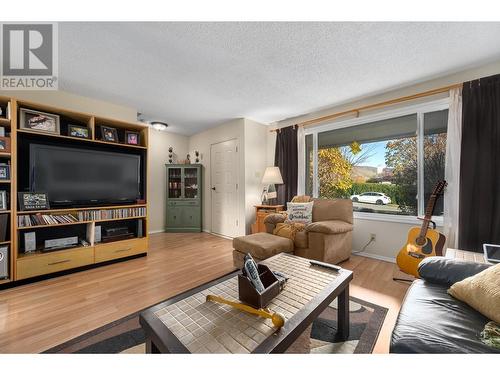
[159, 125]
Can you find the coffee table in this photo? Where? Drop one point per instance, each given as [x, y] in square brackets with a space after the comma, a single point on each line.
[188, 323]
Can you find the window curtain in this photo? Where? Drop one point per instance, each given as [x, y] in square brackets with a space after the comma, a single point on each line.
[286, 158]
[301, 168]
[480, 164]
[452, 168]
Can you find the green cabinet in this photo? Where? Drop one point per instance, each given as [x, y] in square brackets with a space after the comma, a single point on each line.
[184, 198]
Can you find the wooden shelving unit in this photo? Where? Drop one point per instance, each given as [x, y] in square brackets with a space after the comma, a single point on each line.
[27, 265]
[8, 185]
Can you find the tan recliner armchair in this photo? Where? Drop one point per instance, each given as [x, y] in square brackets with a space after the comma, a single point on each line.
[329, 237]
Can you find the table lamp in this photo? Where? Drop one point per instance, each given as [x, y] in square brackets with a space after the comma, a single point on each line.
[272, 176]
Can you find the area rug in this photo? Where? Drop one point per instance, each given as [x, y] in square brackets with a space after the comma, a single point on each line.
[126, 335]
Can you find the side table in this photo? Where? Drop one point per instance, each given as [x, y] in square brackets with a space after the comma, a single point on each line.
[261, 211]
[470, 256]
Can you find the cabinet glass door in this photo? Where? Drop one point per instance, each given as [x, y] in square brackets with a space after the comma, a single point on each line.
[191, 182]
[174, 182]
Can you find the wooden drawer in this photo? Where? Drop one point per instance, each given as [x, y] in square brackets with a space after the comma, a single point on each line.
[42, 264]
[120, 249]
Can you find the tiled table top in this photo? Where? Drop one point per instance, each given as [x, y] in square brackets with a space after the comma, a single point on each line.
[210, 327]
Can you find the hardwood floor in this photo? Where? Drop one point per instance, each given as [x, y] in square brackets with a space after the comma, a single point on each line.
[38, 316]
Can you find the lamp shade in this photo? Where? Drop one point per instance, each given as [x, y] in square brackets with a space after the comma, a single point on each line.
[272, 175]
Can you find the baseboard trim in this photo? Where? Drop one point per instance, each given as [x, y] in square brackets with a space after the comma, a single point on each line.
[217, 235]
[375, 256]
[156, 231]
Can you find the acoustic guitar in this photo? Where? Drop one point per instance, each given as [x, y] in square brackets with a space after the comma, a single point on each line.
[422, 242]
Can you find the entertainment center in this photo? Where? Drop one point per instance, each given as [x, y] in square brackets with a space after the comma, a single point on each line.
[76, 190]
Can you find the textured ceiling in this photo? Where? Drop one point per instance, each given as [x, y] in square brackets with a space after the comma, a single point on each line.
[197, 75]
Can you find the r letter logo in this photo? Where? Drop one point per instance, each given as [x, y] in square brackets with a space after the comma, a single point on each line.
[29, 56]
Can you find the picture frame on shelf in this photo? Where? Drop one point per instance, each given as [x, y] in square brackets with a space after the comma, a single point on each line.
[3, 201]
[109, 134]
[132, 138]
[4, 144]
[39, 121]
[78, 131]
[30, 201]
[4, 172]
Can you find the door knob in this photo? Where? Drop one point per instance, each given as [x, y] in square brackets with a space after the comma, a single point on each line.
[213, 188]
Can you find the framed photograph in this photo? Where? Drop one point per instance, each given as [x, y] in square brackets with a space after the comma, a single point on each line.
[132, 138]
[4, 172]
[4, 144]
[33, 201]
[78, 131]
[3, 200]
[109, 134]
[39, 121]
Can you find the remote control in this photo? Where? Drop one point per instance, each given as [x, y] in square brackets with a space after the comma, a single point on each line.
[325, 265]
[253, 273]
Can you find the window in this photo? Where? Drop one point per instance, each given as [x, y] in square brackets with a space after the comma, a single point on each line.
[388, 166]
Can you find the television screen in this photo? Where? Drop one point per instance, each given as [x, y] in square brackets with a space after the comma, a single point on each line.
[77, 175]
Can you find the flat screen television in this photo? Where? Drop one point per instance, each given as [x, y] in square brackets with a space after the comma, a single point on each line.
[78, 176]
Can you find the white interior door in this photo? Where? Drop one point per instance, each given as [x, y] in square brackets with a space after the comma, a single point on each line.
[224, 179]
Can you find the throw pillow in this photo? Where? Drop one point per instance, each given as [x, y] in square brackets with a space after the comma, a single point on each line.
[299, 212]
[481, 292]
[491, 335]
[288, 230]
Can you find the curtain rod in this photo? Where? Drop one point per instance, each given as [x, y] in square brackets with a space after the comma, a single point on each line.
[373, 106]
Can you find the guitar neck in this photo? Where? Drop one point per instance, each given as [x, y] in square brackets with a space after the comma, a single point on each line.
[428, 215]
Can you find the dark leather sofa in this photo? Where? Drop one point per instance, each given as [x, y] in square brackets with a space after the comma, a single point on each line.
[432, 321]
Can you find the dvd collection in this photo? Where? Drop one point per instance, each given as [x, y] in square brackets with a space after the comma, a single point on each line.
[80, 216]
[117, 213]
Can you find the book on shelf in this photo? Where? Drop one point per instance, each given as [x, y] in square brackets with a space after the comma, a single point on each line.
[41, 219]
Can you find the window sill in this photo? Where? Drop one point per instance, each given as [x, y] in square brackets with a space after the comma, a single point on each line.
[401, 219]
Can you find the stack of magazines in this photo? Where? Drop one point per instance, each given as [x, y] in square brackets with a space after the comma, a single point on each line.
[40, 219]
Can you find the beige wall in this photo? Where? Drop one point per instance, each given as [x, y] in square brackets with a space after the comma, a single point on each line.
[390, 236]
[234, 129]
[76, 103]
[255, 165]
[159, 142]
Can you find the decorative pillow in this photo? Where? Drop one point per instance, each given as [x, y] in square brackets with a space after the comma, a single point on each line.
[299, 212]
[491, 335]
[301, 199]
[288, 230]
[481, 292]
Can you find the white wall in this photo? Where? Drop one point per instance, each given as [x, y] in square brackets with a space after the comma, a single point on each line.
[159, 142]
[390, 236]
[255, 165]
[234, 129]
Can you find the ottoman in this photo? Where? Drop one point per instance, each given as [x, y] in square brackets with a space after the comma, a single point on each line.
[261, 246]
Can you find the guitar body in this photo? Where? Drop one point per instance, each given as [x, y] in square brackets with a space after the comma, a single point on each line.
[417, 248]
